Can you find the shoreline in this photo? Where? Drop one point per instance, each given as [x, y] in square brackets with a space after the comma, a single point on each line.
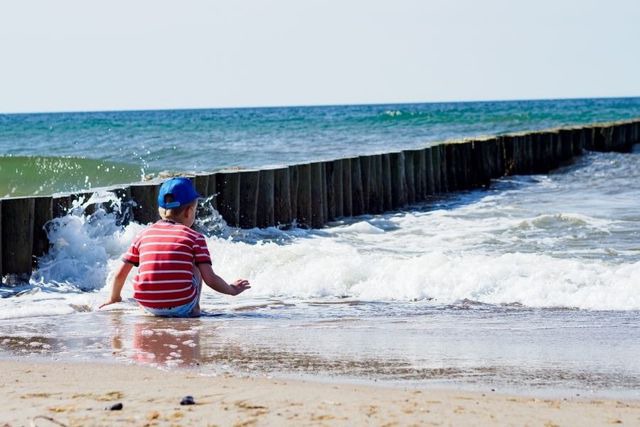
[78, 393]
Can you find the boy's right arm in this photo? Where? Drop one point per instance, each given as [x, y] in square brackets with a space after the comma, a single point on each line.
[118, 283]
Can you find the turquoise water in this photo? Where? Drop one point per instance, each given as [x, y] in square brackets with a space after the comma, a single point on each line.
[147, 142]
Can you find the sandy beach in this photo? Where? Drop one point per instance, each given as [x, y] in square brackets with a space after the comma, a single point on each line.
[46, 394]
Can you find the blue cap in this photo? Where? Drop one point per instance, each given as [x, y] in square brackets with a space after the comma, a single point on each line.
[182, 191]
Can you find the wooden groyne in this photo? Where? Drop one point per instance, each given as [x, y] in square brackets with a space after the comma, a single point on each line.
[313, 194]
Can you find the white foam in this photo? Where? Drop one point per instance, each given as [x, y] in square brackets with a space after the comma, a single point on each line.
[539, 243]
[322, 267]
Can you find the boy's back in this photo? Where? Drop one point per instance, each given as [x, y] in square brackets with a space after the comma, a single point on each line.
[165, 254]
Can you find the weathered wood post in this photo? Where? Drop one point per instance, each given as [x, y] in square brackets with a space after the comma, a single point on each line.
[588, 138]
[436, 169]
[43, 213]
[444, 167]
[145, 196]
[317, 196]
[357, 193]
[366, 169]
[410, 176]
[453, 163]
[420, 174]
[325, 205]
[228, 199]
[377, 191]
[61, 204]
[566, 144]
[469, 169]
[430, 168]
[482, 162]
[387, 187]
[248, 209]
[17, 236]
[347, 191]
[282, 210]
[266, 199]
[305, 208]
[213, 190]
[293, 188]
[398, 180]
[509, 154]
[335, 186]
[201, 184]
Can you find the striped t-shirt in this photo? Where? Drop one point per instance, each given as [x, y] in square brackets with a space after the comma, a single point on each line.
[165, 254]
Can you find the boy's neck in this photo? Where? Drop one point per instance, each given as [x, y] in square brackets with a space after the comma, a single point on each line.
[176, 221]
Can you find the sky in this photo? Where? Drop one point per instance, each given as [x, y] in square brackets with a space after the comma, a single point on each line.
[89, 55]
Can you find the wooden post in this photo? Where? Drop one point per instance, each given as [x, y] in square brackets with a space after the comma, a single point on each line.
[366, 169]
[61, 205]
[468, 169]
[439, 183]
[453, 164]
[282, 197]
[398, 180]
[305, 209]
[325, 205]
[566, 148]
[520, 154]
[357, 193]
[228, 199]
[529, 155]
[335, 200]
[248, 209]
[510, 152]
[266, 199]
[420, 174]
[482, 163]
[145, 197]
[377, 195]
[17, 236]
[347, 191]
[201, 184]
[387, 187]
[43, 213]
[212, 189]
[317, 196]
[541, 151]
[431, 173]
[410, 177]
[293, 188]
[444, 166]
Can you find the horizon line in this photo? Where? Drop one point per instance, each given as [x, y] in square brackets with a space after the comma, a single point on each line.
[321, 105]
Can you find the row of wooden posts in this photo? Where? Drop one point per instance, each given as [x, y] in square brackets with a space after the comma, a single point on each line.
[313, 194]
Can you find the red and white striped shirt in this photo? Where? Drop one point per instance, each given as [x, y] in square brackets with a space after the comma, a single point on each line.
[165, 254]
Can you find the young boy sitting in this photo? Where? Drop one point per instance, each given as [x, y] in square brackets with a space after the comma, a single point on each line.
[172, 259]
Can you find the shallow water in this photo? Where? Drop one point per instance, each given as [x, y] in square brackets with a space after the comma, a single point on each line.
[528, 285]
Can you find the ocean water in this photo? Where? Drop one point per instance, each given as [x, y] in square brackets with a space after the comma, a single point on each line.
[528, 286]
[45, 153]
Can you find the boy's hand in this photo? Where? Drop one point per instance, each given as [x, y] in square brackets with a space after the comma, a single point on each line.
[111, 301]
[240, 286]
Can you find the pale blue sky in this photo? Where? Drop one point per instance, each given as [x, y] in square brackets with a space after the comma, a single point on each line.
[74, 55]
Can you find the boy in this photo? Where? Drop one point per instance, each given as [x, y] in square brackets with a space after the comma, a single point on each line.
[172, 259]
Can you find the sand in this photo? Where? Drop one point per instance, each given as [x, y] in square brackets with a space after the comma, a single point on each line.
[50, 394]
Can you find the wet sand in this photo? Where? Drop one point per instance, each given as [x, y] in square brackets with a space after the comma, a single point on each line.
[76, 394]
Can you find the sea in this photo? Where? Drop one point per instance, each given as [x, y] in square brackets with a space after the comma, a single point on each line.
[531, 285]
